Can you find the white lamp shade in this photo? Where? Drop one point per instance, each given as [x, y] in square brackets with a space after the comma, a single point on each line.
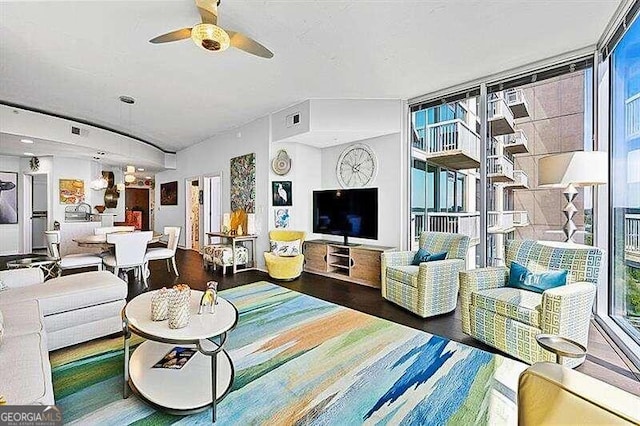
[131, 169]
[580, 168]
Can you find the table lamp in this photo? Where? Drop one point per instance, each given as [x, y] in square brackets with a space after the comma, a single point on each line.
[570, 170]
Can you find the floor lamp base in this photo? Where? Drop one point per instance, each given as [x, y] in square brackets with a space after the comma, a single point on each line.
[569, 211]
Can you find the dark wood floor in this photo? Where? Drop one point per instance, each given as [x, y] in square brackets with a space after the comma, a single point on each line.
[604, 360]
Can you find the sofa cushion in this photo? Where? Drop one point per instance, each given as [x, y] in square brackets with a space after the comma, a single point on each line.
[22, 318]
[407, 274]
[520, 305]
[25, 376]
[70, 292]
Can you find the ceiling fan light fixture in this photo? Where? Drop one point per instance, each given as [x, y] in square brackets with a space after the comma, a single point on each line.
[210, 37]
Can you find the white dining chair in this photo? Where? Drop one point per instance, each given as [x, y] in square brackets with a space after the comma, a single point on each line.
[111, 229]
[169, 252]
[70, 261]
[130, 250]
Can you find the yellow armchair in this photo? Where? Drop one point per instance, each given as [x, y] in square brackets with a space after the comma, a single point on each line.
[285, 268]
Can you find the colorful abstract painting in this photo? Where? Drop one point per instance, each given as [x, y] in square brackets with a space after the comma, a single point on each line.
[301, 360]
[243, 183]
[281, 217]
[71, 191]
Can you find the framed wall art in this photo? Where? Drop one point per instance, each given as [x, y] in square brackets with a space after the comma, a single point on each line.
[71, 191]
[243, 183]
[8, 198]
[281, 193]
[169, 193]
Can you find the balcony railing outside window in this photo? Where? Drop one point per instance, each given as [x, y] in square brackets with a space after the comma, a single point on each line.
[457, 223]
[520, 178]
[500, 220]
[514, 96]
[520, 218]
[449, 136]
[632, 233]
[498, 108]
[517, 138]
[500, 165]
[632, 116]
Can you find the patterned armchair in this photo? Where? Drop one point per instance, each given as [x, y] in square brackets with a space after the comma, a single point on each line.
[432, 287]
[509, 318]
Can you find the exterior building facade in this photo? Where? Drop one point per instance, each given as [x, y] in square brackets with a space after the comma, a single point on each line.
[525, 123]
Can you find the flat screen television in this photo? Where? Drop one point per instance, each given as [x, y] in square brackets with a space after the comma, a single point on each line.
[346, 212]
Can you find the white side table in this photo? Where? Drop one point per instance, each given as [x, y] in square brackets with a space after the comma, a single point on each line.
[190, 389]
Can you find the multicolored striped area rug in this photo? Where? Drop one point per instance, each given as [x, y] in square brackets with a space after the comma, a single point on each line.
[301, 360]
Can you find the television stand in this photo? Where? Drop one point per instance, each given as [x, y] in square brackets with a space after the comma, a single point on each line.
[346, 242]
[358, 263]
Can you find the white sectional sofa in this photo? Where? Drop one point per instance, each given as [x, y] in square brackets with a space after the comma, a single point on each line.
[38, 317]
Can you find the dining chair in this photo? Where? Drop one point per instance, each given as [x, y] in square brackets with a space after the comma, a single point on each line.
[130, 250]
[70, 261]
[111, 229]
[169, 252]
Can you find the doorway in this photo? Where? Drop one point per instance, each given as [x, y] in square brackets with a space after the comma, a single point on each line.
[39, 215]
[212, 205]
[192, 213]
[137, 200]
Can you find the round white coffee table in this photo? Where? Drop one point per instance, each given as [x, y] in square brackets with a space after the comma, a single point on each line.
[209, 372]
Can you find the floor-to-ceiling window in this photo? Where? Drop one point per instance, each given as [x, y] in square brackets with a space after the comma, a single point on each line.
[546, 112]
[549, 114]
[445, 154]
[624, 290]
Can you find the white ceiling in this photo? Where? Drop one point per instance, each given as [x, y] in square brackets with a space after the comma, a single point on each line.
[76, 58]
[12, 145]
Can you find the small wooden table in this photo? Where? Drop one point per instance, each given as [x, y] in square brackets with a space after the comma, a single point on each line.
[234, 239]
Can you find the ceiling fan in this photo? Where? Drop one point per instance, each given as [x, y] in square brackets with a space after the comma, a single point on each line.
[209, 36]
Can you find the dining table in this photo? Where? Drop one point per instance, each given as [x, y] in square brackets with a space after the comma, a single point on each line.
[100, 241]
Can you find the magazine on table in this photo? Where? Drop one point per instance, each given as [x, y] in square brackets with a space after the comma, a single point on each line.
[176, 358]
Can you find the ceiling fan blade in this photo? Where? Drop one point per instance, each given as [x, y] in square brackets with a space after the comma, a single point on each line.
[208, 11]
[172, 36]
[249, 45]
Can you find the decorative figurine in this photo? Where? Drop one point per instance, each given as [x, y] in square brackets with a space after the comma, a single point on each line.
[210, 297]
[179, 313]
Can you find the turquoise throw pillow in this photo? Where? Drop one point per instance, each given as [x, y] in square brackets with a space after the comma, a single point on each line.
[424, 256]
[520, 277]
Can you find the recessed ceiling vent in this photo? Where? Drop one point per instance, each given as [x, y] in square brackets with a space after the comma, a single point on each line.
[292, 119]
[79, 131]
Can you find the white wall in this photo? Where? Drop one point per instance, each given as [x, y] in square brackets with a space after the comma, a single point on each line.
[211, 156]
[306, 176]
[10, 234]
[388, 149]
